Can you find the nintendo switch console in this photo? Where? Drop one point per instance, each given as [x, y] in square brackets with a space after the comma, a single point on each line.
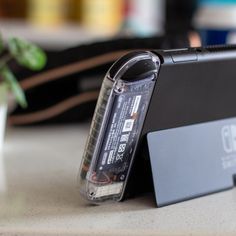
[148, 91]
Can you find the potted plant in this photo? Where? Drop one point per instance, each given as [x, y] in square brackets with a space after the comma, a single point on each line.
[25, 54]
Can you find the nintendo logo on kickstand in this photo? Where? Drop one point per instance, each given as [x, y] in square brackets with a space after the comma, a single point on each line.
[228, 133]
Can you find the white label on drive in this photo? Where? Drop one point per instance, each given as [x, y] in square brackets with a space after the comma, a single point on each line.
[104, 158]
[110, 157]
[136, 104]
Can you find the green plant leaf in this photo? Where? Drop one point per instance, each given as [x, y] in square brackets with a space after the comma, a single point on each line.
[14, 86]
[1, 43]
[27, 54]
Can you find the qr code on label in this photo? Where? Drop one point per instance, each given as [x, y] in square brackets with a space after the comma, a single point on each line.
[128, 125]
[124, 138]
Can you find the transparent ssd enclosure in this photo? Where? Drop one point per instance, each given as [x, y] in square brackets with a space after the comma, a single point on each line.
[116, 126]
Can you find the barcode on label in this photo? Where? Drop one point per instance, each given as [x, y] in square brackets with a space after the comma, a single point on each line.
[128, 125]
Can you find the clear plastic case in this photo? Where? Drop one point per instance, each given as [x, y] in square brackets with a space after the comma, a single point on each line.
[116, 126]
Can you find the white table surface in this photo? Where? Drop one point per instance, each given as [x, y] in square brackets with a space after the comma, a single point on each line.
[38, 170]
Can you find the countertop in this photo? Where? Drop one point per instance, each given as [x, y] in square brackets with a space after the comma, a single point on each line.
[38, 194]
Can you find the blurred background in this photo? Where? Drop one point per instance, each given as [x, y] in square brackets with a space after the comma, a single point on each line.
[58, 24]
[82, 39]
